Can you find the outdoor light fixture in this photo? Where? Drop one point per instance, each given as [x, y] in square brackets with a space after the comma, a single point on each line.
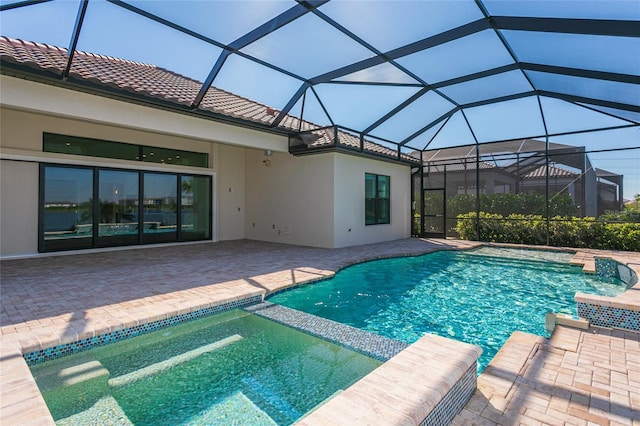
[267, 161]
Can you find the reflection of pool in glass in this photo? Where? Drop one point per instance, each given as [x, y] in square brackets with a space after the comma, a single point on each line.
[479, 297]
[230, 368]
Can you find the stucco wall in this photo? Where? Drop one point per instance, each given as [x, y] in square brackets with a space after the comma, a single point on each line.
[229, 214]
[18, 207]
[23, 130]
[291, 201]
[318, 200]
[349, 202]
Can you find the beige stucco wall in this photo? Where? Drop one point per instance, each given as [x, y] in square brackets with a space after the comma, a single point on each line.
[318, 200]
[292, 200]
[229, 214]
[18, 207]
[349, 202]
[22, 130]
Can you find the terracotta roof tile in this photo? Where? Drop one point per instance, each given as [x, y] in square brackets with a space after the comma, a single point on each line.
[541, 172]
[159, 83]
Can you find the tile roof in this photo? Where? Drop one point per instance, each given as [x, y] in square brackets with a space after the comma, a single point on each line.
[555, 172]
[149, 81]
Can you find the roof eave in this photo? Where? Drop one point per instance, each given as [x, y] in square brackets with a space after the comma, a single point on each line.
[44, 76]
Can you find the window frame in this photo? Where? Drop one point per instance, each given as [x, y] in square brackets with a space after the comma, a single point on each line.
[197, 159]
[379, 200]
[96, 242]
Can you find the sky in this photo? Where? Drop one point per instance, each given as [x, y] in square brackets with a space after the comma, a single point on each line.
[309, 47]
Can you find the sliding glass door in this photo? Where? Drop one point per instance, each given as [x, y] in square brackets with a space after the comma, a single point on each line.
[118, 202]
[66, 210]
[160, 208]
[87, 207]
[196, 211]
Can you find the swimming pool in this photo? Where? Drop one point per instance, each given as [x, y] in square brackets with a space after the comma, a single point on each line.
[479, 296]
[230, 368]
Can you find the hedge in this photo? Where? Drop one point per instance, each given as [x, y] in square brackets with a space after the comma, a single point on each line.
[563, 231]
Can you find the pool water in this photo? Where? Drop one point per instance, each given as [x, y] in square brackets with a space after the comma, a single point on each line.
[233, 368]
[480, 296]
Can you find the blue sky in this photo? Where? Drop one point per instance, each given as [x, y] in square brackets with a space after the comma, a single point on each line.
[310, 47]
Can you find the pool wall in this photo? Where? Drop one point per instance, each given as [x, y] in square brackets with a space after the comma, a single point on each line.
[447, 378]
[622, 311]
[58, 351]
[426, 384]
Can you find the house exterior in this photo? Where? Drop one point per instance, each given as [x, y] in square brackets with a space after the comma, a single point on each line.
[240, 180]
[519, 166]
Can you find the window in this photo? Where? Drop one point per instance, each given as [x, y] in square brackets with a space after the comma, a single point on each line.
[121, 151]
[66, 208]
[160, 207]
[195, 212]
[88, 207]
[118, 203]
[377, 190]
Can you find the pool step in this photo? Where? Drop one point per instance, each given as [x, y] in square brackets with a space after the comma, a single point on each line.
[234, 409]
[74, 388]
[106, 411]
[75, 374]
[259, 390]
[159, 367]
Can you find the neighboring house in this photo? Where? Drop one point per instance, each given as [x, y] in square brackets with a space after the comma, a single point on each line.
[519, 166]
[114, 155]
[561, 181]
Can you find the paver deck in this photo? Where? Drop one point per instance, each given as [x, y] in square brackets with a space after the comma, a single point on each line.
[578, 377]
[58, 299]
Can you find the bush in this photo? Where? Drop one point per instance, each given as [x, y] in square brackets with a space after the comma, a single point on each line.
[507, 204]
[563, 231]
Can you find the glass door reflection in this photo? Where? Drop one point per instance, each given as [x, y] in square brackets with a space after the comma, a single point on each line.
[160, 208]
[195, 207]
[67, 208]
[118, 208]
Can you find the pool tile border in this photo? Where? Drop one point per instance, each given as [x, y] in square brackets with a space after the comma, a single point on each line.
[454, 401]
[361, 341]
[621, 311]
[42, 355]
[610, 316]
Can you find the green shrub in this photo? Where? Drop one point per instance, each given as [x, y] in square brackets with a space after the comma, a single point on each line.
[563, 231]
[506, 204]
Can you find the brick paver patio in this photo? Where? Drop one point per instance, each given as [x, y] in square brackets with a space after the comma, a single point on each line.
[590, 377]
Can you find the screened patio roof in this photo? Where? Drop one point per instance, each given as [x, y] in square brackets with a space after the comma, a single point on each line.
[410, 75]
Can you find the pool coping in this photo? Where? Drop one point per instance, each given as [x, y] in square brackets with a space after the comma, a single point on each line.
[20, 399]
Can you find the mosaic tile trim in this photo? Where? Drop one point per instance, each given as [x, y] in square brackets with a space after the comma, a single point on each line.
[454, 401]
[627, 275]
[606, 267]
[608, 316]
[609, 268]
[43, 355]
[365, 342]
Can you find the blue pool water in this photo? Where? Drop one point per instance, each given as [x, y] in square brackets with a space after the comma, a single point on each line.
[233, 368]
[479, 297]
